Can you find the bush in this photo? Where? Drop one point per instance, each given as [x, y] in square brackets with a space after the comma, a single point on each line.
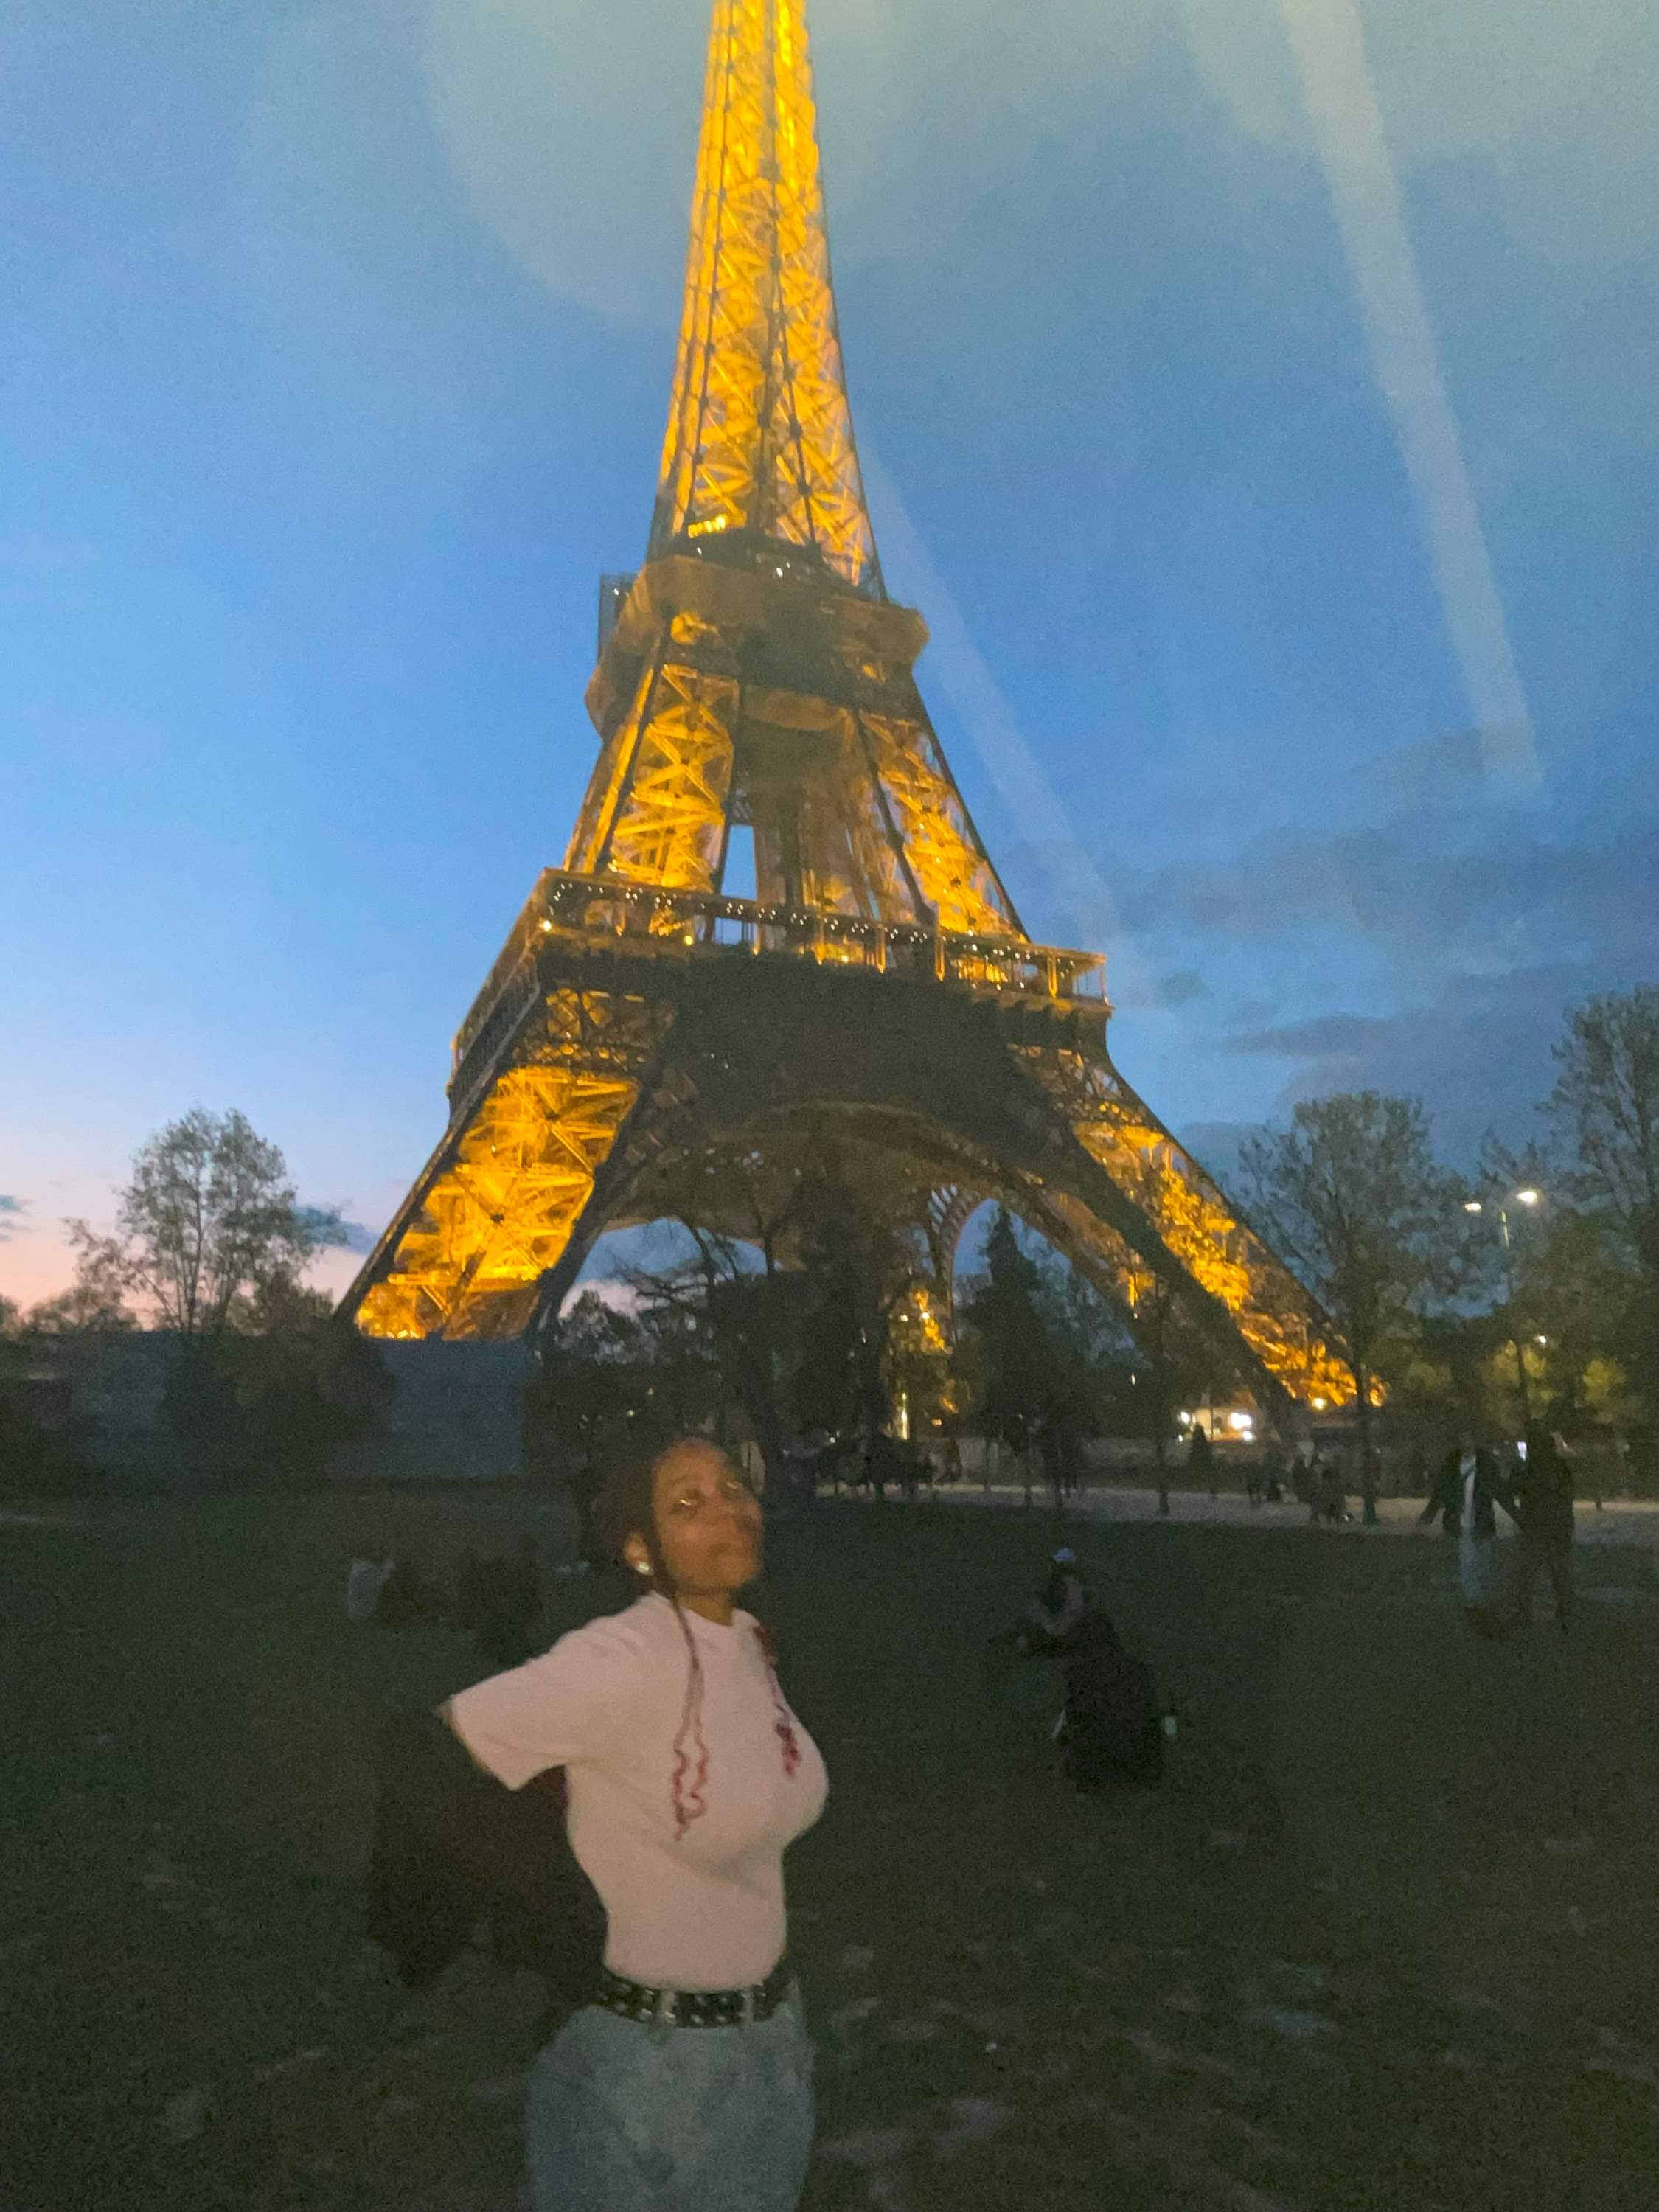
[272, 1409]
[37, 1460]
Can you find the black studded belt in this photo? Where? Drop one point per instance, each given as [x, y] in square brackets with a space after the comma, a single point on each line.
[694, 2007]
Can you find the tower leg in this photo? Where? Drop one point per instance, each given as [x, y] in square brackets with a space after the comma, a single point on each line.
[500, 1198]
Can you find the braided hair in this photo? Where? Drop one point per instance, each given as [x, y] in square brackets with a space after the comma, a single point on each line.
[627, 1507]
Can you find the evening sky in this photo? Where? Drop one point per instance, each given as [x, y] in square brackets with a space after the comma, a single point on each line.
[339, 347]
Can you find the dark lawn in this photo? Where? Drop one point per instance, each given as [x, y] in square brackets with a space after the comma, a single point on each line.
[1388, 1939]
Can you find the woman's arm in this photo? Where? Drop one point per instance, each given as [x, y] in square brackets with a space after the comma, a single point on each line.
[558, 1709]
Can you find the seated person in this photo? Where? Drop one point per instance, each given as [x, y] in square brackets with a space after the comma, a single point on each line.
[1054, 1611]
[1113, 1732]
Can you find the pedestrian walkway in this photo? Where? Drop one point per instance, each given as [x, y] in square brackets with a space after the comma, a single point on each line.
[1630, 1521]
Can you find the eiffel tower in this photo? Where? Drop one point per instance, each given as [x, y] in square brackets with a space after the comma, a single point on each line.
[756, 685]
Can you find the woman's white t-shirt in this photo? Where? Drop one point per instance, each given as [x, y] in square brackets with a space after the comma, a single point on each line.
[701, 1910]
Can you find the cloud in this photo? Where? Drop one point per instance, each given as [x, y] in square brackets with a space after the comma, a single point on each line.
[1430, 942]
[1477, 1053]
[1180, 988]
[1512, 900]
[1326, 1036]
[350, 1236]
[11, 1210]
[1440, 771]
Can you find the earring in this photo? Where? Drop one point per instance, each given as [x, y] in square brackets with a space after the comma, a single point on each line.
[641, 1568]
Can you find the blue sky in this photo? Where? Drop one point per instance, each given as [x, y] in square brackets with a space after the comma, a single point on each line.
[339, 339]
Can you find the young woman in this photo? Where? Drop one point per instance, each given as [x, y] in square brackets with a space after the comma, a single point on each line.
[686, 2083]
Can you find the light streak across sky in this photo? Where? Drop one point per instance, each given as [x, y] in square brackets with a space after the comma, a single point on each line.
[1076, 887]
[1329, 46]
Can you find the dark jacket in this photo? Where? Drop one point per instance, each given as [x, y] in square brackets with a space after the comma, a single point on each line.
[453, 1849]
[1543, 1496]
[1115, 1733]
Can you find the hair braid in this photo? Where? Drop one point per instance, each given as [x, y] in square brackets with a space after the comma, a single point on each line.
[690, 1804]
[784, 1726]
[627, 1507]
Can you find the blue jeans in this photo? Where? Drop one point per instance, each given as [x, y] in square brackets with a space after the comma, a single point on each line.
[622, 2116]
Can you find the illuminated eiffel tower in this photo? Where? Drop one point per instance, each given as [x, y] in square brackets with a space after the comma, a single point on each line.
[755, 683]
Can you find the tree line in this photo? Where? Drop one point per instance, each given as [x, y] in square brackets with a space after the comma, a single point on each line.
[1525, 1291]
[211, 1245]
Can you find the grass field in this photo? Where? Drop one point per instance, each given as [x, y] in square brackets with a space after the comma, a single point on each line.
[1389, 1938]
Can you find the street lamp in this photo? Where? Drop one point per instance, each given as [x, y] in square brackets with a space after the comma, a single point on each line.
[1529, 1198]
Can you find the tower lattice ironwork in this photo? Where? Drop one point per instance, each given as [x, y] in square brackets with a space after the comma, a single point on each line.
[878, 989]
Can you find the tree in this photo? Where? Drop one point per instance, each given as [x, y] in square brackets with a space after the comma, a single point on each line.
[918, 1373]
[1184, 1354]
[95, 1302]
[37, 1454]
[596, 1376]
[1505, 1263]
[1180, 1359]
[208, 1225]
[735, 1301]
[792, 1296]
[1014, 1352]
[1578, 1302]
[855, 1265]
[212, 1240]
[1605, 1394]
[1606, 1104]
[87, 1308]
[1605, 1109]
[1354, 1197]
[297, 1384]
[1036, 1334]
[1518, 1381]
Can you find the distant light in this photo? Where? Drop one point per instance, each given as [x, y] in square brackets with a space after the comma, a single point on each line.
[1527, 1197]
[1185, 1420]
[1240, 1422]
[1472, 1205]
[1319, 1405]
[1540, 1340]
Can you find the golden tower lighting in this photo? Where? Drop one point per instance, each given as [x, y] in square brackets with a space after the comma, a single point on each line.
[879, 992]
